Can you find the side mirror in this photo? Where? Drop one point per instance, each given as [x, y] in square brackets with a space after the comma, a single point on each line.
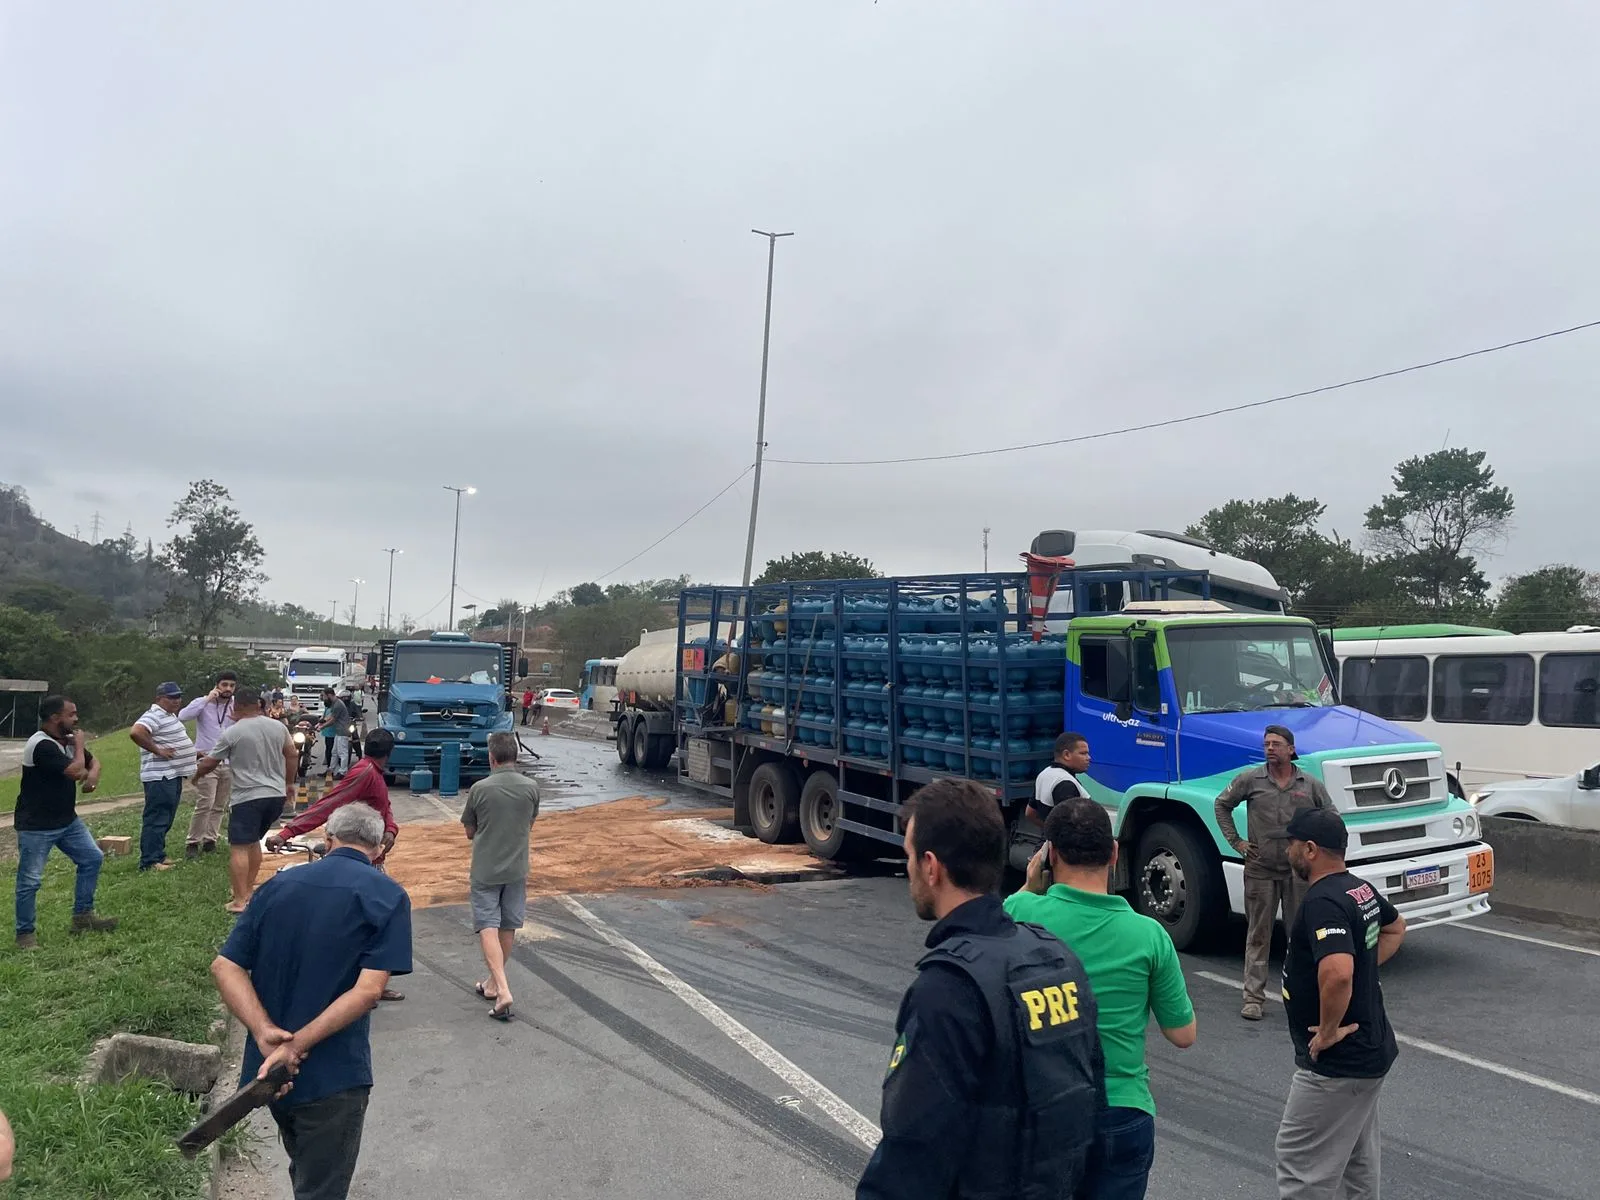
[1124, 710]
[522, 666]
[1590, 779]
[372, 662]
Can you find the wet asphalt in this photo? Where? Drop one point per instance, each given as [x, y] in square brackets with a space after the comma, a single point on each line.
[607, 1084]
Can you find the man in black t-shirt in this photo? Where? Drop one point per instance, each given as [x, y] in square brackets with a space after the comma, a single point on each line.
[54, 762]
[1343, 1043]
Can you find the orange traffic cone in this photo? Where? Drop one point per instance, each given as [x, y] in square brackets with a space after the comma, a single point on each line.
[546, 728]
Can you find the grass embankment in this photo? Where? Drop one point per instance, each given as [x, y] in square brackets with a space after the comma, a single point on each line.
[149, 976]
[119, 771]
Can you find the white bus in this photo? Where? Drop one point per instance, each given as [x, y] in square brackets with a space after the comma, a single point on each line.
[1503, 707]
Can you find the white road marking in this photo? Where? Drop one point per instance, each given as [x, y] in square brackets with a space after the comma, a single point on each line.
[831, 1105]
[1522, 937]
[1483, 1064]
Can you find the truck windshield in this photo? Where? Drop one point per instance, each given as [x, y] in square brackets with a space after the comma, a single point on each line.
[440, 664]
[1244, 668]
[315, 666]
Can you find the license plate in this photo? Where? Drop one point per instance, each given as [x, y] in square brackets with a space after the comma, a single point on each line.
[1422, 877]
[1480, 870]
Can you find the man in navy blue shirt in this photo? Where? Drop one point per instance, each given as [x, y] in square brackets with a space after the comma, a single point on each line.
[304, 966]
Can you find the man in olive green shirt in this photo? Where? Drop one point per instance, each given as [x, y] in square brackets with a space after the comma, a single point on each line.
[498, 819]
[1133, 970]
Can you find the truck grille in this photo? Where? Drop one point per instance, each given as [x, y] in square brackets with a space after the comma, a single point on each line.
[1404, 833]
[1375, 783]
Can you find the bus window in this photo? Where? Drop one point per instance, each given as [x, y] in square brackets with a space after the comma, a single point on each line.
[1569, 690]
[1393, 688]
[1483, 689]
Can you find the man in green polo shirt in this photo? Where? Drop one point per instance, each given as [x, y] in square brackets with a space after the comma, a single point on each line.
[1133, 970]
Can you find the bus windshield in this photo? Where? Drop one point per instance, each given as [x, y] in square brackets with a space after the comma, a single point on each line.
[444, 664]
[1245, 668]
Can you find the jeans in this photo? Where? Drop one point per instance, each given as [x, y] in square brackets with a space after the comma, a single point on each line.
[323, 1139]
[1125, 1146]
[341, 755]
[160, 806]
[33, 847]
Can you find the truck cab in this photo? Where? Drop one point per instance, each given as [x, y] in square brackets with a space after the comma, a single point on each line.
[1175, 697]
[444, 690]
[310, 669]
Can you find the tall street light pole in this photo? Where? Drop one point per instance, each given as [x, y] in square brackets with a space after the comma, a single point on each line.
[333, 611]
[455, 550]
[355, 604]
[388, 603]
[761, 412]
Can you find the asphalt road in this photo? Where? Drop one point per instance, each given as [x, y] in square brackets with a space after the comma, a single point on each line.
[610, 1083]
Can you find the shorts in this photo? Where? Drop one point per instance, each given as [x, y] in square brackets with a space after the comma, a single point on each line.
[251, 820]
[503, 906]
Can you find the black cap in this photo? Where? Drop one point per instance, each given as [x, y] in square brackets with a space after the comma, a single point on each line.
[1320, 825]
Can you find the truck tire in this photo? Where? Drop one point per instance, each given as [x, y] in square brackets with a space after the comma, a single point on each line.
[820, 810]
[661, 748]
[625, 742]
[642, 745]
[1177, 880]
[774, 804]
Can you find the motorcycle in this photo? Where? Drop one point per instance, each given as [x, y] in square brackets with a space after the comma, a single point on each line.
[305, 741]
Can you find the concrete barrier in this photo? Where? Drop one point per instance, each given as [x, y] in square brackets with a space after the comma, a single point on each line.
[184, 1066]
[1545, 871]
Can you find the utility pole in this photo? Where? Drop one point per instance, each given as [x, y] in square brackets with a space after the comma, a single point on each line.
[986, 549]
[333, 612]
[761, 411]
[355, 604]
[388, 602]
[455, 550]
[94, 528]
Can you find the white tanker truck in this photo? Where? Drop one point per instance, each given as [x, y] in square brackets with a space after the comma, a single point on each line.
[647, 684]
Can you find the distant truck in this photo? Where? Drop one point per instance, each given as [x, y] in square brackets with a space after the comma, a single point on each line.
[310, 669]
[446, 688]
[818, 709]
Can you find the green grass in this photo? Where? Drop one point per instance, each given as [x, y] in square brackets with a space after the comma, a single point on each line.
[149, 976]
[119, 771]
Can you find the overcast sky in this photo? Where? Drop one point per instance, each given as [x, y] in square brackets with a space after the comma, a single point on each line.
[338, 256]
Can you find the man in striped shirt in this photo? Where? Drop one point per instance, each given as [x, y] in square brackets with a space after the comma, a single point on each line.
[166, 759]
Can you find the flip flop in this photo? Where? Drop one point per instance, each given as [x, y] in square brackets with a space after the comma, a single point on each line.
[391, 995]
[501, 1014]
[479, 988]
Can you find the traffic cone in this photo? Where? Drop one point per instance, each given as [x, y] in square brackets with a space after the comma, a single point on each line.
[1043, 572]
[546, 728]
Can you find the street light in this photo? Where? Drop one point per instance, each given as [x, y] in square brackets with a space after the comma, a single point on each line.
[761, 412]
[455, 549]
[469, 609]
[354, 605]
[333, 611]
[388, 603]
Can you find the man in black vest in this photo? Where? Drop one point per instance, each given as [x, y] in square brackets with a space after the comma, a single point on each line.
[996, 1076]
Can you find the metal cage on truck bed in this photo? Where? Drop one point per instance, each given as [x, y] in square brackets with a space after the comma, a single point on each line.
[831, 702]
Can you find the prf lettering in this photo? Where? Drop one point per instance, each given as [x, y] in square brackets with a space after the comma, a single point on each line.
[1059, 1003]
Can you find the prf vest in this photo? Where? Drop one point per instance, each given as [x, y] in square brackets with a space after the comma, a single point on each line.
[1034, 1124]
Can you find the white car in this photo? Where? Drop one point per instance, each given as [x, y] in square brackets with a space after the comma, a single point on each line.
[559, 698]
[1573, 800]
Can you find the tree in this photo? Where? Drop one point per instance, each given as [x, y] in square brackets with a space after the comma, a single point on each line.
[215, 559]
[1556, 597]
[1281, 534]
[73, 610]
[587, 594]
[816, 564]
[1445, 510]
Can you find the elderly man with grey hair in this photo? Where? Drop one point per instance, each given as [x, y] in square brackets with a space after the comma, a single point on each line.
[304, 966]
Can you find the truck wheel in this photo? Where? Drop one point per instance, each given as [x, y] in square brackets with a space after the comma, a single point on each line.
[660, 751]
[625, 742]
[820, 810]
[641, 744]
[1177, 879]
[774, 804]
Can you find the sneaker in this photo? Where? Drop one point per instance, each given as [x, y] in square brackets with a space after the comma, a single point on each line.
[1251, 1011]
[163, 865]
[191, 850]
[26, 941]
[208, 847]
[92, 922]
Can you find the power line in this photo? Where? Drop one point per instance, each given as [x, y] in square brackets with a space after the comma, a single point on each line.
[1200, 416]
[725, 490]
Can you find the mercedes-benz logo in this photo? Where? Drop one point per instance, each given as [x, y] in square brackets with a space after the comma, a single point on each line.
[449, 715]
[1395, 783]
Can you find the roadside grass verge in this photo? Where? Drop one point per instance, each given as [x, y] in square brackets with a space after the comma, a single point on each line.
[119, 771]
[149, 976]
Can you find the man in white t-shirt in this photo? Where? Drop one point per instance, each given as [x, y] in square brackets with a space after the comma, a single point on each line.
[166, 759]
[1072, 757]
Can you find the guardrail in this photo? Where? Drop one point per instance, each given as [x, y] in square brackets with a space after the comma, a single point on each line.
[1548, 871]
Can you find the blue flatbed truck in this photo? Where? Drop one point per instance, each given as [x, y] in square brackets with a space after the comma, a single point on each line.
[817, 709]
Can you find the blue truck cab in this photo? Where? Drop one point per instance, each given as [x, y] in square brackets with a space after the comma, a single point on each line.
[442, 690]
[818, 709]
